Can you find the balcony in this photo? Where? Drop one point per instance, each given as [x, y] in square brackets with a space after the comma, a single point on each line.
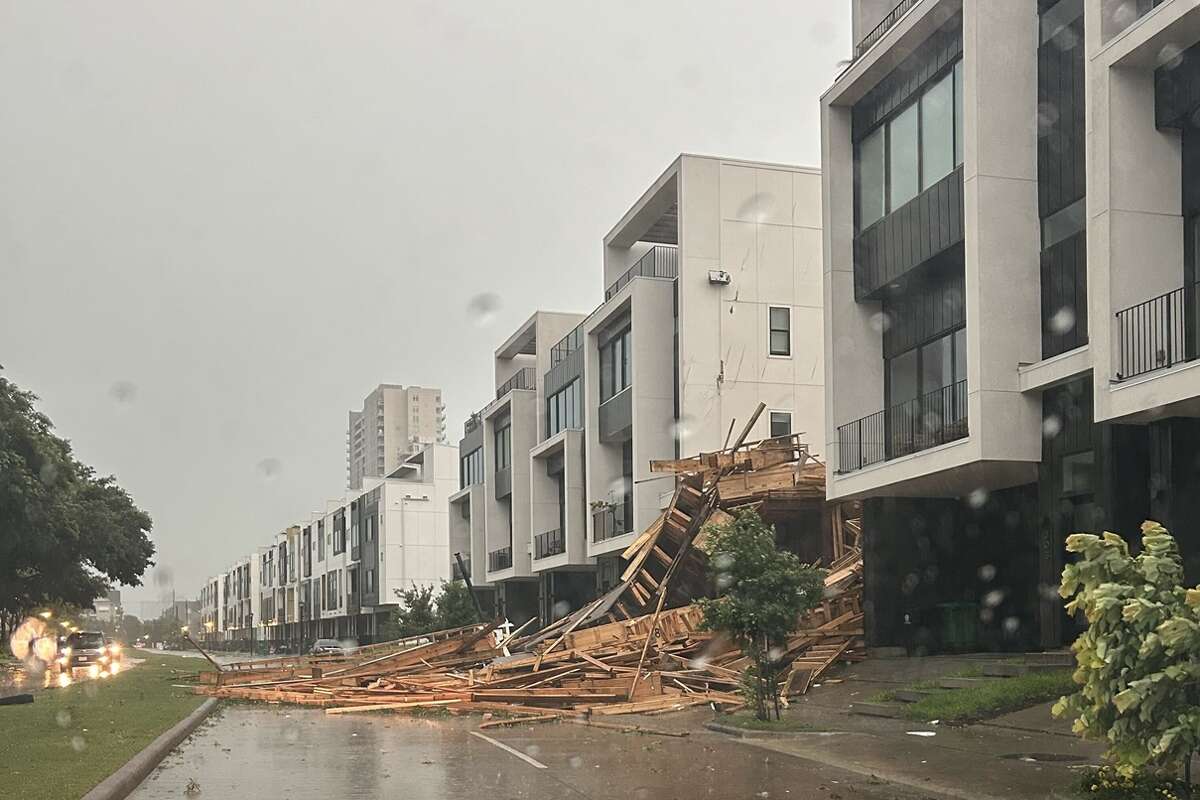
[609, 522]
[524, 378]
[500, 559]
[660, 261]
[1157, 333]
[567, 345]
[877, 33]
[550, 543]
[910, 427]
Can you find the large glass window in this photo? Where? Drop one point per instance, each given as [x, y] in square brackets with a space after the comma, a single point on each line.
[471, 468]
[937, 132]
[871, 178]
[902, 378]
[921, 144]
[903, 135]
[564, 409]
[503, 440]
[616, 366]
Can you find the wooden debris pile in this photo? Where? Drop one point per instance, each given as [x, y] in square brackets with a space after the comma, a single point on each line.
[636, 649]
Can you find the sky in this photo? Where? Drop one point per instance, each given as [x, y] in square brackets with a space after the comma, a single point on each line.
[223, 223]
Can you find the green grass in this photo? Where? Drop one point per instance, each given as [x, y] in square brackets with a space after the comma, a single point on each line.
[747, 721]
[68, 740]
[993, 697]
[889, 695]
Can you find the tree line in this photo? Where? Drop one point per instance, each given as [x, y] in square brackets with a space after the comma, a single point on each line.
[66, 533]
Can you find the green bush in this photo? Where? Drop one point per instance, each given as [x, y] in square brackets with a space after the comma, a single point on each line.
[1109, 783]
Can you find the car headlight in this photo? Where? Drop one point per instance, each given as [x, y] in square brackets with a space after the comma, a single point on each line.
[66, 653]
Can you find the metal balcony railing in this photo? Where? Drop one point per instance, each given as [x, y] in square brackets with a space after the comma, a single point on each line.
[610, 521]
[550, 543]
[567, 345]
[500, 559]
[660, 261]
[1157, 333]
[883, 27]
[918, 424]
[524, 378]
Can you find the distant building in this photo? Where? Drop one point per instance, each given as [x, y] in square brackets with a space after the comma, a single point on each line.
[108, 608]
[395, 422]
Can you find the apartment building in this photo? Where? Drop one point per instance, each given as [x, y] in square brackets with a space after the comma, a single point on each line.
[341, 570]
[1010, 317]
[394, 423]
[212, 609]
[711, 304]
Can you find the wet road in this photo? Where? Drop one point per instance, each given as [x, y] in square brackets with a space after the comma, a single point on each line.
[296, 753]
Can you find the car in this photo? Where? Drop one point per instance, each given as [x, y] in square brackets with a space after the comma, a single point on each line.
[84, 648]
[327, 647]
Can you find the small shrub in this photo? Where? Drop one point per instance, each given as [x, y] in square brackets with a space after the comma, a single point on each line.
[1109, 783]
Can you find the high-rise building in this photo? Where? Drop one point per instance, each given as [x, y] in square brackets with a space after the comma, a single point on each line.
[395, 422]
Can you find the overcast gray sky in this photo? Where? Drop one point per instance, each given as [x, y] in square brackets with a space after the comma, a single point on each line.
[223, 223]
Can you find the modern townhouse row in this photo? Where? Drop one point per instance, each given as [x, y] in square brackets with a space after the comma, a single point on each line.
[336, 574]
[711, 304]
[1011, 200]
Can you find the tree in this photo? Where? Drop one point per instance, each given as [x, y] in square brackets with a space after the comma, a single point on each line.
[1139, 659]
[455, 608]
[65, 533]
[415, 615]
[761, 592]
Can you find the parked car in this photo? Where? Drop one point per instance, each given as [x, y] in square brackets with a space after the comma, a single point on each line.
[327, 647]
[84, 648]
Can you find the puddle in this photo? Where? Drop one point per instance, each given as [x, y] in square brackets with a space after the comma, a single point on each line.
[1044, 758]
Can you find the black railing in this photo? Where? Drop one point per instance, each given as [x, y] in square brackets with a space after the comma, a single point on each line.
[524, 378]
[1157, 333]
[567, 345]
[500, 559]
[550, 543]
[609, 521]
[923, 422]
[883, 27]
[660, 261]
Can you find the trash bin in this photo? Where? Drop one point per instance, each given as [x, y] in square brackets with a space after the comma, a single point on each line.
[960, 626]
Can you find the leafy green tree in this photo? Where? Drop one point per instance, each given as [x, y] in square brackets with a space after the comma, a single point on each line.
[415, 614]
[65, 533]
[761, 591]
[1139, 659]
[455, 608]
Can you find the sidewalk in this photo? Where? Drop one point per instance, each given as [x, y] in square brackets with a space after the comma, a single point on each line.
[1025, 755]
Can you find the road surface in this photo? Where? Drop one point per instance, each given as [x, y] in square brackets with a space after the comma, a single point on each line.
[298, 753]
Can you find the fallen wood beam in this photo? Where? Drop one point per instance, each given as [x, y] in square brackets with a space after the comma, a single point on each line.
[391, 706]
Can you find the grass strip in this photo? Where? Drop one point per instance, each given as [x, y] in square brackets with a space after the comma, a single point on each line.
[70, 739]
[749, 722]
[991, 698]
[930, 685]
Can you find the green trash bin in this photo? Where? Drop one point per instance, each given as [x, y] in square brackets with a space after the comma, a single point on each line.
[960, 626]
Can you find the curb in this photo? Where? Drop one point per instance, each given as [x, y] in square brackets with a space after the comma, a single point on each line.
[121, 783]
[750, 734]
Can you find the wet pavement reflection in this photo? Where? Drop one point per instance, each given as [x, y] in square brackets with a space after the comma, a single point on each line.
[297, 753]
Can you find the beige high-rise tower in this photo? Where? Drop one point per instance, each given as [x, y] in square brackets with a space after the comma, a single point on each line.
[394, 423]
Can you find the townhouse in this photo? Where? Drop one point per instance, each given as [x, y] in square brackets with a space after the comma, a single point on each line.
[337, 574]
[711, 304]
[1009, 215]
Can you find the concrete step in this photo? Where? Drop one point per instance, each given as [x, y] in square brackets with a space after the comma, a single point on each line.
[912, 695]
[890, 710]
[961, 683]
[1057, 658]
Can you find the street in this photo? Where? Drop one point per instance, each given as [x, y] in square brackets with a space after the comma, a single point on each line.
[248, 751]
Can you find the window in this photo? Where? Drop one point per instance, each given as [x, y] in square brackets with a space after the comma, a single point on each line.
[937, 132]
[503, 440]
[903, 136]
[339, 533]
[320, 540]
[780, 322]
[369, 582]
[564, 409]
[938, 364]
[781, 423]
[921, 144]
[616, 366]
[1078, 471]
[871, 178]
[370, 532]
[471, 468]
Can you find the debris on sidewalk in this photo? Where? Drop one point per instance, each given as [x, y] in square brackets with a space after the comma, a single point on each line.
[639, 648]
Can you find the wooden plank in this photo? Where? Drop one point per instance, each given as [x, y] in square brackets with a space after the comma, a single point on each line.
[392, 706]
